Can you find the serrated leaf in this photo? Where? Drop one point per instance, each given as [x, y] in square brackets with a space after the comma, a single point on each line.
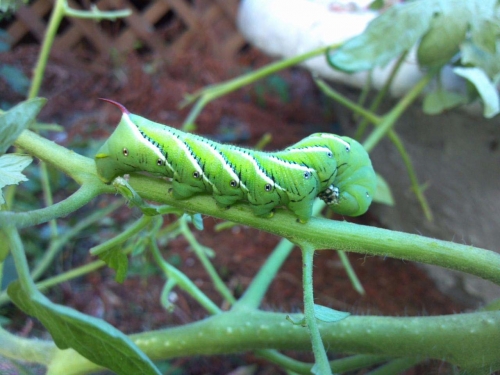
[93, 338]
[328, 315]
[486, 89]
[383, 193]
[17, 119]
[11, 166]
[389, 35]
[118, 261]
[438, 101]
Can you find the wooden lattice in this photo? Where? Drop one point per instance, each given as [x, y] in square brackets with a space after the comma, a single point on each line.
[163, 27]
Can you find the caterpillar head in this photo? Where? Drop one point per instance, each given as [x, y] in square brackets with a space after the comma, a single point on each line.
[356, 182]
[127, 150]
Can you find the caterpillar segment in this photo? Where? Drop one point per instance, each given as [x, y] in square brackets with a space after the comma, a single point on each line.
[336, 169]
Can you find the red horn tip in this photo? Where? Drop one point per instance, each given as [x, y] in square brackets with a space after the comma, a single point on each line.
[121, 106]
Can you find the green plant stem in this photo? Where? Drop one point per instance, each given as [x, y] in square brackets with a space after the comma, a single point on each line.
[340, 235]
[24, 349]
[396, 366]
[63, 277]
[183, 281]
[78, 167]
[350, 273]
[48, 40]
[333, 94]
[255, 292]
[200, 252]
[206, 95]
[381, 95]
[75, 201]
[57, 244]
[321, 365]
[20, 261]
[131, 231]
[352, 363]
[95, 14]
[236, 331]
[390, 118]
[411, 174]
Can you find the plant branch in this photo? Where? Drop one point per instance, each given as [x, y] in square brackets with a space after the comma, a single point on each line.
[63, 208]
[390, 118]
[329, 234]
[321, 360]
[207, 94]
[435, 337]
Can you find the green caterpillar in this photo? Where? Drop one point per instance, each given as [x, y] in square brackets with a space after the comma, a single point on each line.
[335, 169]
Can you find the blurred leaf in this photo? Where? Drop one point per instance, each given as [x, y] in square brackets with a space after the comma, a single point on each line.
[440, 100]
[118, 261]
[15, 78]
[473, 55]
[11, 166]
[485, 88]
[18, 118]
[383, 194]
[376, 4]
[328, 315]
[93, 338]
[450, 25]
[10, 6]
[448, 28]
[197, 221]
[386, 37]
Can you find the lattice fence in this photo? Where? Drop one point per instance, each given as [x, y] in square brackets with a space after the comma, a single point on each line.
[163, 27]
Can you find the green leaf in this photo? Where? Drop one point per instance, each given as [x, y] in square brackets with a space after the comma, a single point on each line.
[134, 199]
[118, 261]
[327, 315]
[17, 119]
[448, 28]
[7, 6]
[93, 338]
[11, 166]
[383, 194]
[197, 221]
[473, 54]
[440, 100]
[386, 37]
[485, 88]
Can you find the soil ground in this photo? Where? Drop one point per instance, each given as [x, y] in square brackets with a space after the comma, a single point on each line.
[289, 107]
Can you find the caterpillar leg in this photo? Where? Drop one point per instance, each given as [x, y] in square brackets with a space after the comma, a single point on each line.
[183, 191]
[302, 209]
[225, 201]
[263, 210]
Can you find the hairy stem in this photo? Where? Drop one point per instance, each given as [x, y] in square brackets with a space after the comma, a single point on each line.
[321, 360]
